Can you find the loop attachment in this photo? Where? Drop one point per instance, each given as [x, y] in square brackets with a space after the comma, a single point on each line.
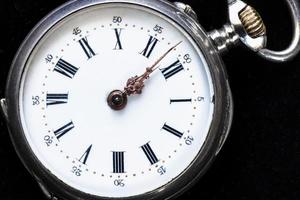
[247, 26]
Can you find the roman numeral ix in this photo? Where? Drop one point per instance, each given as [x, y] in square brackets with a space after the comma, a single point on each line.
[152, 42]
[65, 68]
[172, 69]
[54, 99]
[118, 162]
[86, 47]
[63, 130]
[149, 153]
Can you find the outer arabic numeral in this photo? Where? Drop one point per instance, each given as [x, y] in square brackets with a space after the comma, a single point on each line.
[189, 140]
[49, 58]
[48, 140]
[117, 19]
[162, 170]
[187, 58]
[158, 29]
[35, 100]
[77, 31]
[75, 170]
[119, 183]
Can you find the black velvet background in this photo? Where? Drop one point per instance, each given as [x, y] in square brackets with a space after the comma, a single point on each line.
[260, 159]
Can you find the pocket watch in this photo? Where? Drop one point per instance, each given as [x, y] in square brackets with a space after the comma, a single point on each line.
[126, 99]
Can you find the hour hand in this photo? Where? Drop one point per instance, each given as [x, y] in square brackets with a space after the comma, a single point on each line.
[134, 85]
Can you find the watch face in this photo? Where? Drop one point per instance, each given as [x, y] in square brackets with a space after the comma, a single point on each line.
[85, 142]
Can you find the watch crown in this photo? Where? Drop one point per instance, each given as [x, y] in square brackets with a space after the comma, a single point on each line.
[186, 9]
[245, 25]
[252, 22]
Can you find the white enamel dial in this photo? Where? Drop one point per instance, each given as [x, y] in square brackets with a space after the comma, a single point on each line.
[84, 142]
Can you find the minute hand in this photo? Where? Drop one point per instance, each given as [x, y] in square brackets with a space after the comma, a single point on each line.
[136, 84]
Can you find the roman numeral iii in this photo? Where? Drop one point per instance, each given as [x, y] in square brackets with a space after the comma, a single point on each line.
[65, 68]
[149, 154]
[118, 162]
[173, 69]
[54, 99]
[86, 47]
[152, 42]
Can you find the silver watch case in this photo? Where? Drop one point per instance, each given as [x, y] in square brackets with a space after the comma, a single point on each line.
[220, 126]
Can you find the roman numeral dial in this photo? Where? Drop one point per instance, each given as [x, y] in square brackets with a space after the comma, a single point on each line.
[112, 99]
[116, 163]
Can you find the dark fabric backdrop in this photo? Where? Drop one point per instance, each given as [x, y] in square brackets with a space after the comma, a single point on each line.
[260, 159]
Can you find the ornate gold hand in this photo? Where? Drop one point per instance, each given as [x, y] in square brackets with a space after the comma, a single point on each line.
[136, 84]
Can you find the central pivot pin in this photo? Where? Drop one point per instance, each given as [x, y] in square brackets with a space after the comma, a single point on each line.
[117, 100]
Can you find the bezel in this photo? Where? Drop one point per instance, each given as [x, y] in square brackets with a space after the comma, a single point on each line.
[220, 125]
